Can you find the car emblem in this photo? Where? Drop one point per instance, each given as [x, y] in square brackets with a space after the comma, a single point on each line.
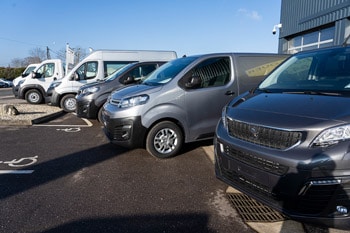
[254, 132]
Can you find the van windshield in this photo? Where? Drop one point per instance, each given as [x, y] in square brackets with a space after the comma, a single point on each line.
[118, 72]
[168, 71]
[317, 72]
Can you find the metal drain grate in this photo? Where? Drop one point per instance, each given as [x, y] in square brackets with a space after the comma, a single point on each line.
[253, 211]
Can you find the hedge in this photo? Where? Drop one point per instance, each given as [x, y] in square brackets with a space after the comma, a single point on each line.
[10, 73]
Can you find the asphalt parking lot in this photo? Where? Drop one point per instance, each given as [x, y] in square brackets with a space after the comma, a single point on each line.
[62, 175]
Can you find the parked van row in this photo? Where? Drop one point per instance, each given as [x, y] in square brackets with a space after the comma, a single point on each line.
[48, 82]
[97, 66]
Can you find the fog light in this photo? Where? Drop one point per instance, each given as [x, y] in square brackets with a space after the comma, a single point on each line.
[222, 150]
[342, 209]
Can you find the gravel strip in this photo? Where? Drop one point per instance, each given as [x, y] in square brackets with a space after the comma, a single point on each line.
[27, 113]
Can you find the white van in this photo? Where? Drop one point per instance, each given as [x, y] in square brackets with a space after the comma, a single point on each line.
[97, 66]
[33, 88]
[25, 73]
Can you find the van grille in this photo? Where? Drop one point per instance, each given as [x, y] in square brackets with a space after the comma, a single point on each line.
[268, 137]
[317, 200]
[257, 162]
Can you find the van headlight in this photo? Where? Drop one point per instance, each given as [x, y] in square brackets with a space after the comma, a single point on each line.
[332, 136]
[54, 84]
[20, 82]
[90, 90]
[223, 117]
[133, 101]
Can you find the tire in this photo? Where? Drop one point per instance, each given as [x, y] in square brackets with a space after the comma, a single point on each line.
[164, 140]
[99, 114]
[68, 103]
[33, 96]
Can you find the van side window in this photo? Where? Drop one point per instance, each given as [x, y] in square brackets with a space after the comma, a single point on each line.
[139, 72]
[252, 68]
[87, 70]
[147, 69]
[46, 71]
[212, 72]
[111, 66]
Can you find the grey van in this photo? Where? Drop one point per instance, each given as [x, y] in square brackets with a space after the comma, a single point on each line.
[92, 96]
[287, 142]
[181, 101]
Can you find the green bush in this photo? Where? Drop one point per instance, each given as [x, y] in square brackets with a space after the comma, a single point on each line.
[10, 73]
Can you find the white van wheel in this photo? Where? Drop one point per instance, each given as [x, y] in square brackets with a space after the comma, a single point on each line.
[69, 103]
[164, 140]
[33, 96]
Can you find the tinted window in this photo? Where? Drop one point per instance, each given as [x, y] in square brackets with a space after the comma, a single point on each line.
[252, 69]
[327, 70]
[212, 72]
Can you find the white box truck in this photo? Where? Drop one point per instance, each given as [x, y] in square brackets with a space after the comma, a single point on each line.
[33, 88]
[98, 65]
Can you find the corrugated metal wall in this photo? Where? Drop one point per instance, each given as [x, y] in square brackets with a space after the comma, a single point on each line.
[302, 15]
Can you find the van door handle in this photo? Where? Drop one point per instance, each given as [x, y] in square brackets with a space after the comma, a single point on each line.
[229, 93]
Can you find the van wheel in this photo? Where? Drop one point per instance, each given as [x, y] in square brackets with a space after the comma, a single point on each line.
[164, 140]
[68, 103]
[33, 96]
[99, 114]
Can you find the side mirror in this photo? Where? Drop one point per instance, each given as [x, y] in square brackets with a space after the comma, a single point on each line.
[129, 80]
[74, 77]
[194, 82]
[35, 75]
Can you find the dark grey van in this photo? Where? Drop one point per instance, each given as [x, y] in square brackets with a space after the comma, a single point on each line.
[182, 100]
[287, 142]
[91, 97]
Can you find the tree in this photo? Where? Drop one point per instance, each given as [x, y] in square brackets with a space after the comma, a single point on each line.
[38, 53]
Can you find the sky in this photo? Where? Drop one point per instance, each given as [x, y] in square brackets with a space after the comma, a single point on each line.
[185, 26]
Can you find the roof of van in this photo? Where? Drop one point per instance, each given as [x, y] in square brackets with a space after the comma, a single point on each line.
[132, 55]
[237, 54]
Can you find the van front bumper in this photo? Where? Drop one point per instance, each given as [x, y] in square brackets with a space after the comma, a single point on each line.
[318, 196]
[15, 90]
[125, 132]
[86, 108]
[55, 98]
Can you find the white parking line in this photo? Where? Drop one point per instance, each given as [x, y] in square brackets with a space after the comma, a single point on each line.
[89, 124]
[16, 171]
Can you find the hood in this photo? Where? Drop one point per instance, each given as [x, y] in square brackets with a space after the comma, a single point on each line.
[96, 83]
[135, 90]
[291, 110]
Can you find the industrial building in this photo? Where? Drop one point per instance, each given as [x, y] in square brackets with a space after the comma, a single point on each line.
[311, 24]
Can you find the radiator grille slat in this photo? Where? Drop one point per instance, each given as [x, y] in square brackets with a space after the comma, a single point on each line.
[264, 136]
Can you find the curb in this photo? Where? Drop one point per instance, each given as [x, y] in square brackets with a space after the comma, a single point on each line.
[47, 117]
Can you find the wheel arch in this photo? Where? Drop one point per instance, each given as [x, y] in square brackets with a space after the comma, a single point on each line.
[173, 120]
[63, 95]
[23, 90]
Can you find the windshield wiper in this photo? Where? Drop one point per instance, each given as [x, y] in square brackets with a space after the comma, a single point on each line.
[309, 92]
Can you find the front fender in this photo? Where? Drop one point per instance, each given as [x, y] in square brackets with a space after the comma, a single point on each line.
[23, 89]
[166, 112]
